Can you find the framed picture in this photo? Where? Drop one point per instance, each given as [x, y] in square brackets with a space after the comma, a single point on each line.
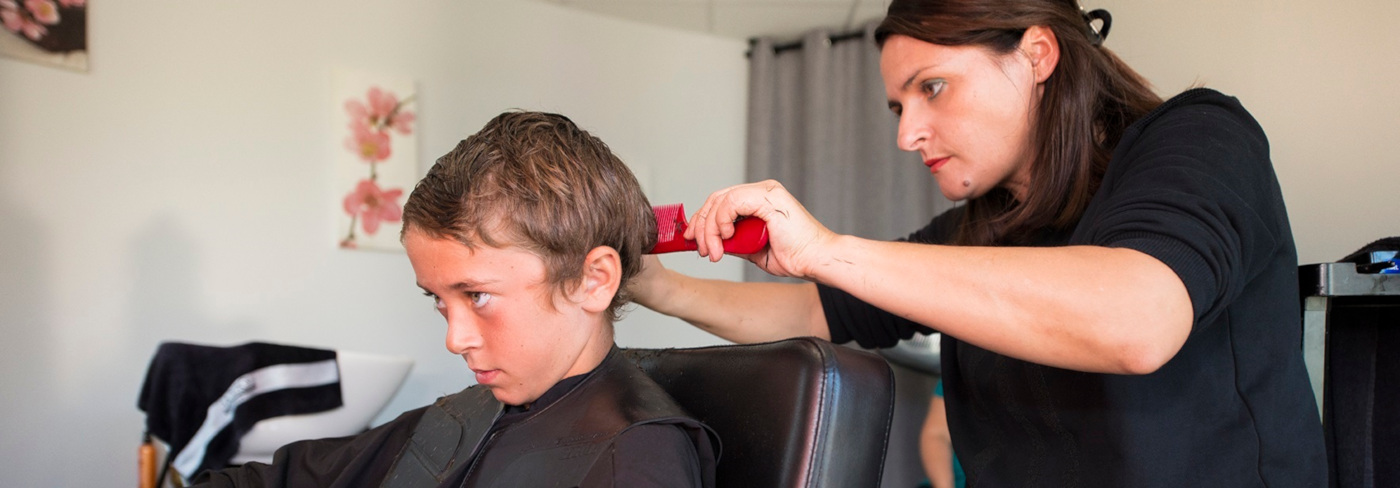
[48, 32]
[376, 160]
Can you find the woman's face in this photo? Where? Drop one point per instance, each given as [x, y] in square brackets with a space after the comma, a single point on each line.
[966, 111]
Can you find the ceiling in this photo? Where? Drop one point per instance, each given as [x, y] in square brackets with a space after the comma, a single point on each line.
[740, 19]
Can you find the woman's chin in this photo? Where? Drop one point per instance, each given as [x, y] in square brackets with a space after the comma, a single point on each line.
[956, 194]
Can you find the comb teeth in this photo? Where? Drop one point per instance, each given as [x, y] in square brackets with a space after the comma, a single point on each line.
[750, 234]
[670, 222]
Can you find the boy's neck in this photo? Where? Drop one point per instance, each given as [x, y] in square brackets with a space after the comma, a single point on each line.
[594, 351]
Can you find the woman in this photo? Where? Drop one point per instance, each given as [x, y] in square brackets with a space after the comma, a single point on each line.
[1118, 294]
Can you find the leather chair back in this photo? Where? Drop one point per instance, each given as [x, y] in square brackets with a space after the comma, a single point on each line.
[794, 413]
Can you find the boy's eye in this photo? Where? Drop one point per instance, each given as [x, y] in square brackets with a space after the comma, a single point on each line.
[437, 302]
[933, 87]
[479, 298]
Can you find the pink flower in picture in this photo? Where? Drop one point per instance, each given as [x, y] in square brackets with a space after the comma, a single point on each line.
[13, 21]
[373, 206]
[18, 21]
[370, 145]
[44, 11]
[376, 112]
[33, 30]
[381, 110]
[378, 120]
[402, 122]
[359, 113]
[381, 103]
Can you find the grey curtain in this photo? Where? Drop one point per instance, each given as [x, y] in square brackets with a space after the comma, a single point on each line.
[818, 122]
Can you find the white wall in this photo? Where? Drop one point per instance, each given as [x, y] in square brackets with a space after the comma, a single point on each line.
[182, 189]
[1319, 76]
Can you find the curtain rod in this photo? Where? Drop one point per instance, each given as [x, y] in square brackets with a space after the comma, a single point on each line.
[794, 45]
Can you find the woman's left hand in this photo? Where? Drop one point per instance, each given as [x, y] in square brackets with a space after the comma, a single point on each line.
[796, 241]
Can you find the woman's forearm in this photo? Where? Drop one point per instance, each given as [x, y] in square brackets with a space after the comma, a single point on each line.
[1084, 308]
[740, 312]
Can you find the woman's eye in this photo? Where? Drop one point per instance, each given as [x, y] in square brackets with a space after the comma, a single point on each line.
[479, 298]
[933, 87]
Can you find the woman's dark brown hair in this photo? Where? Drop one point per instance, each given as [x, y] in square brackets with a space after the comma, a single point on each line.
[1088, 102]
[537, 181]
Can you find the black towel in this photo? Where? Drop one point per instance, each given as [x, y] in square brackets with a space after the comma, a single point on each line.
[251, 382]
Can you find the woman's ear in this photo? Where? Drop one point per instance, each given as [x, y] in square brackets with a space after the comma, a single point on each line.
[1043, 48]
[602, 275]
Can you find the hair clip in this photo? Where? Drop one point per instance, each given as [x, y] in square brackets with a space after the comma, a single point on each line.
[1097, 36]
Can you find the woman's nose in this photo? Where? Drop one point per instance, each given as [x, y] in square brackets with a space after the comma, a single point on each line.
[463, 334]
[914, 130]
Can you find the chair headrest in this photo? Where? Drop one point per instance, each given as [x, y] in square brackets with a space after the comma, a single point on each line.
[795, 413]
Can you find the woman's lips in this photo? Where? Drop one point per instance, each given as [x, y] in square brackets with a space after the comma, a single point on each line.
[934, 164]
[485, 377]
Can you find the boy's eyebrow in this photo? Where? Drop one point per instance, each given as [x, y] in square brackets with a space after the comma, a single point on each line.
[461, 285]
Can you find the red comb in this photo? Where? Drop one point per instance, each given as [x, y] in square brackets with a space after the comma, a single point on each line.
[750, 234]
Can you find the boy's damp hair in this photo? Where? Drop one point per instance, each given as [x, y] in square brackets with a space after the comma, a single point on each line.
[537, 181]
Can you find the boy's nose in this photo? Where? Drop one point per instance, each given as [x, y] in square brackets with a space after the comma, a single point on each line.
[462, 334]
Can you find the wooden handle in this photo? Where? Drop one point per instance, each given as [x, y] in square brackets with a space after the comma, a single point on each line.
[147, 466]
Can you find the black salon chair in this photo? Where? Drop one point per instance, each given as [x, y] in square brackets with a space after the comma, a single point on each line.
[794, 413]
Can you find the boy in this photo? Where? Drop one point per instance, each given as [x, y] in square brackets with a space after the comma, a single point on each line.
[524, 236]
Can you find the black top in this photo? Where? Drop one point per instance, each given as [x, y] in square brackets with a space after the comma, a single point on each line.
[648, 455]
[1191, 184]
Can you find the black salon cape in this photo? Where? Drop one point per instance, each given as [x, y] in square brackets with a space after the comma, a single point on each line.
[650, 455]
[1190, 184]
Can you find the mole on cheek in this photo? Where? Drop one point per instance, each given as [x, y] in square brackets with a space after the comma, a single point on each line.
[967, 183]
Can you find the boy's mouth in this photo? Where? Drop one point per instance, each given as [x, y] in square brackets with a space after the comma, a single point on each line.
[484, 377]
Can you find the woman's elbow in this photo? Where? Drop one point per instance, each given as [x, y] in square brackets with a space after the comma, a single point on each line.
[1141, 363]
[1148, 353]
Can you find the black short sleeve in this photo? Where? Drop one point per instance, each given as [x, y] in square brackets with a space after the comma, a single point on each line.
[1197, 192]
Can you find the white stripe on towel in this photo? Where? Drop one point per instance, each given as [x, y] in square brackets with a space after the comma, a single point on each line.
[264, 380]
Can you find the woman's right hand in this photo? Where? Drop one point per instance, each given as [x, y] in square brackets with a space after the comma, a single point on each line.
[797, 242]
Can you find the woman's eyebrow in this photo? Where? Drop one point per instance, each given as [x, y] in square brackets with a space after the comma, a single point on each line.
[914, 76]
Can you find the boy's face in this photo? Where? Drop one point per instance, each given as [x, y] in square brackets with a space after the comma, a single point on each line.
[499, 315]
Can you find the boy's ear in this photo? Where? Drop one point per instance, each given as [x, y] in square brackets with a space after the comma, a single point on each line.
[602, 275]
